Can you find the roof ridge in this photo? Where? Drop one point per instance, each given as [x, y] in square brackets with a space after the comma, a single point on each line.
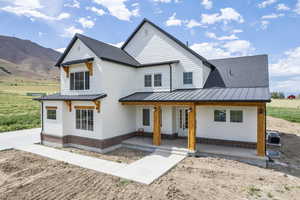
[238, 57]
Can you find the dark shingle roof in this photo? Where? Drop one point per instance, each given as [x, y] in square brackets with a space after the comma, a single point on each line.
[198, 95]
[101, 49]
[59, 97]
[76, 61]
[246, 71]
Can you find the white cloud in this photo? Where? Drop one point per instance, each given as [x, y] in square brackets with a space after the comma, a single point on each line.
[73, 4]
[207, 4]
[86, 23]
[226, 15]
[297, 9]
[172, 21]
[240, 47]
[213, 36]
[264, 24]
[40, 34]
[210, 50]
[237, 31]
[96, 10]
[272, 16]
[282, 6]
[33, 4]
[163, 1]
[266, 3]
[287, 66]
[287, 85]
[192, 23]
[117, 8]
[222, 50]
[119, 44]
[70, 32]
[61, 50]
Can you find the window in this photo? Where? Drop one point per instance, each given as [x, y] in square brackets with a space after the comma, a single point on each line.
[146, 117]
[236, 116]
[51, 114]
[157, 80]
[80, 81]
[220, 115]
[187, 77]
[148, 81]
[85, 119]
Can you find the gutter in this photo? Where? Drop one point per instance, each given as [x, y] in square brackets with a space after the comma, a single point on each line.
[42, 120]
[171, 77]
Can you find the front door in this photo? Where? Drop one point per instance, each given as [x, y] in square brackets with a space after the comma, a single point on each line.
[183, 120]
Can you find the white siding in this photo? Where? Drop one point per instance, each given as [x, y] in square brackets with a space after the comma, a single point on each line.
[51, 126]
[208, 128]
[150, 45]
[80, 51]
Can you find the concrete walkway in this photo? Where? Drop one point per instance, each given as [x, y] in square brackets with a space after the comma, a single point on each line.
[12, 139]
[145, 170]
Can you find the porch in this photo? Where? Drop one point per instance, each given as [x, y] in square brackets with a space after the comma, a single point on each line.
[179, 146]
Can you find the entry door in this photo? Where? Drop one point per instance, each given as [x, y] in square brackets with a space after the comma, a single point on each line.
[183, 120]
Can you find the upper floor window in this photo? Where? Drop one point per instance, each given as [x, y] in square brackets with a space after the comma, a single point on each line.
[79, 81]
[157, 80]
[148, 81]
[187, 77]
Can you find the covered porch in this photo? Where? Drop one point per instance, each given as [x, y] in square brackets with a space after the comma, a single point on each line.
[189, 143]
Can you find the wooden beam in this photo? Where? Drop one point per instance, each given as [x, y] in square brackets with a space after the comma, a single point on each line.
[230, 103]
[89, 65]
[158, 103]
[69, 104]
[97, 104]
[261, 130]
[66, 69]
[84, 107]
[51, 107]
[156, 126]
[192, 128]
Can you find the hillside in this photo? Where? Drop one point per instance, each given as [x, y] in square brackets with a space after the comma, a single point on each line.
[25, 59]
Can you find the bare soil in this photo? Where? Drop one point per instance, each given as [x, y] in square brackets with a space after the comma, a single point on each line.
[120, 155]
[28, 176]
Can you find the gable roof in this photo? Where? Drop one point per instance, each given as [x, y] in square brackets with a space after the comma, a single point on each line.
[238, 72]
[205, 61]
[101, 49]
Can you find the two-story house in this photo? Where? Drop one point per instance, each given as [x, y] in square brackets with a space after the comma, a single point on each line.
[156, 86]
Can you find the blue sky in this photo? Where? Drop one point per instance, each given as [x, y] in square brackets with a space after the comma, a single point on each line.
[213, 28]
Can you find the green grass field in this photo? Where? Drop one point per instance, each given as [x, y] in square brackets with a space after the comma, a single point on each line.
[18, 111]
[285, 109]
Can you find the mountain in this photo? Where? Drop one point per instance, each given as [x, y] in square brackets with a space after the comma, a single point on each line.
[26, 59]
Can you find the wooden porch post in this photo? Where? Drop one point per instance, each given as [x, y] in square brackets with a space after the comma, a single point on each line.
[261, 130]
[156, 126]
[192, 128]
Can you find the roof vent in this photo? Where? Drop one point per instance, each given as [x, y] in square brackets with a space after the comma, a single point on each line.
[230, 72]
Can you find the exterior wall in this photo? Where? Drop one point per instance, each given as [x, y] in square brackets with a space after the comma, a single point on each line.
[167, 122]
[150, 45]
[53, 127]
[208, 128]
[164, 70]
[80, 51]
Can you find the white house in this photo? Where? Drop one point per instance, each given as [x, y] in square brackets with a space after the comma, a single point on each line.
[159, 87]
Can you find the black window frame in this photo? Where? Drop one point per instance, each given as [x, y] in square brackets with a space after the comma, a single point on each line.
[84, 119]
[233, 117]
[146, 116]
[80, 80]
[51, 114]
[217, 117]
[147, 81]
[157, 81]
[187, 78]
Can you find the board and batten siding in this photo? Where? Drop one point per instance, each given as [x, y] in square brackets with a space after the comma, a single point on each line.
[208, 128]
[150, 45]
[80, 51]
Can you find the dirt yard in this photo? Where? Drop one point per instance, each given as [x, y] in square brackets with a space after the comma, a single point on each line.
[27, 176]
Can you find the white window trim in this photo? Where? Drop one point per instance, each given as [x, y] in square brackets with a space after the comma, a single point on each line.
[243, 117]
[183, 78]
[152, 83]
[83, 81]
[161, 80]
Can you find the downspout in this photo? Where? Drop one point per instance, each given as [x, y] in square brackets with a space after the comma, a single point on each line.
[170, 77]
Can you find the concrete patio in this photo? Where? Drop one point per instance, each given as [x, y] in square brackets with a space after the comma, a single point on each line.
[179, 146]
